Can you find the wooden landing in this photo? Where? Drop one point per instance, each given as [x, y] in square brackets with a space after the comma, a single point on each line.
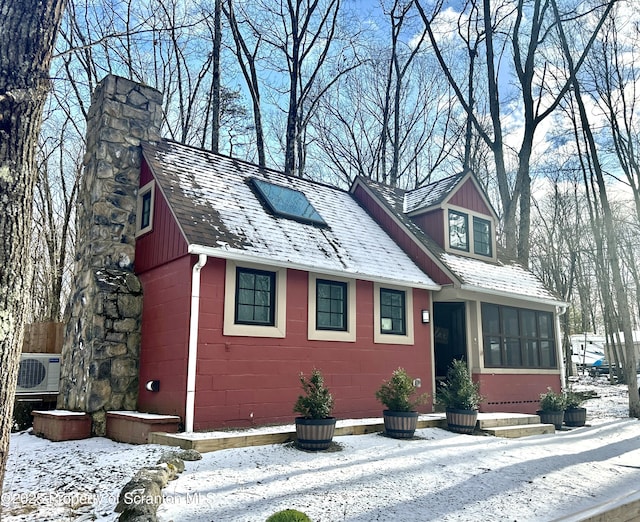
[508, 425]
[218, 440]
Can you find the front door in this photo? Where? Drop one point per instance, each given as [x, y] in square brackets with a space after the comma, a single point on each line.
[449, 335]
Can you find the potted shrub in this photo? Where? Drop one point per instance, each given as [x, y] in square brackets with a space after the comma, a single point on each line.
[551, 408]
[315, 426]
[574, 414]
[461, 398]
[398, 395]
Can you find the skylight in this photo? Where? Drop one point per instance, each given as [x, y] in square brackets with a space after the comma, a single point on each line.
[286, 202]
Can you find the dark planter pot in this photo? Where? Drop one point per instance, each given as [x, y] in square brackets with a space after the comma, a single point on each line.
[575, 417]
[400, 424]
[551, 417]
[461, 421]
[315, 434]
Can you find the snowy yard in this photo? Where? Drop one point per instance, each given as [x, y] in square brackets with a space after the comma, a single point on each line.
[437, 476]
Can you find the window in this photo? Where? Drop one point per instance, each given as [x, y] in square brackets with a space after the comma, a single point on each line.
[331, 309]
[481, 236]
[392, 312]
[517, 337]
[255, 296]
[144, 211]
[458, 226]
[461, 238]
[286, 202]
[254, 300]
[331, 305]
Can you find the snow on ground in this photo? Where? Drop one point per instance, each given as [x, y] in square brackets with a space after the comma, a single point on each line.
[437, 476]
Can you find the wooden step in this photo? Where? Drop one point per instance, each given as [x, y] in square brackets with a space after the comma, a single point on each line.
[522, 430]
[496, 420]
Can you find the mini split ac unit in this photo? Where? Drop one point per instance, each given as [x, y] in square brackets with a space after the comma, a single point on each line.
[38, 373]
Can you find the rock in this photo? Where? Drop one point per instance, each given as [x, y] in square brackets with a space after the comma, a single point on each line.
[188, 455]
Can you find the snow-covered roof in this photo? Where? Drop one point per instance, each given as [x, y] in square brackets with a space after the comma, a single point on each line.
[498, 279]
[430, 195]
[494, 278]
[219, 213]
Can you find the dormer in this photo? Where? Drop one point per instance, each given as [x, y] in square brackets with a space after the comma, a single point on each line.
[456, 213]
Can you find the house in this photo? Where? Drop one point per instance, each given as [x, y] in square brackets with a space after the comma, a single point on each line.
[250, 277]
[204, 285]
[497, 315]
[280, 274]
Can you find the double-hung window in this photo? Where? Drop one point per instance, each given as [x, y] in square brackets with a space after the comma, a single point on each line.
[331, 309]
[458, 230]
[331, 305]
[476, 239]
[481, 236]
[255, 300]
[255, 297]
[393, 312]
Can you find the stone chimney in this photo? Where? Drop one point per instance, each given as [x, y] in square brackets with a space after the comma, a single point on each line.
[102, 338]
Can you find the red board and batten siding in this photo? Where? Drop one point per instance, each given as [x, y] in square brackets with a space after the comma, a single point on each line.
[242, 381]
[405, 242]
[524, 391]
[165, 242]
[165, 336]
[467, 196]
[433, 223]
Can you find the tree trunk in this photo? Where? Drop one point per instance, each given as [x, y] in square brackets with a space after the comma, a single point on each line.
[29, 28]
[294, 79]
[620, 295]
[215, 80]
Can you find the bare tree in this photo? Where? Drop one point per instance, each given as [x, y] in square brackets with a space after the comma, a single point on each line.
[615, 76]
[247, 57]
[300, 34]
[619, 291]
[528, 25]
[24, 83]
[391, 118]
[556, 241]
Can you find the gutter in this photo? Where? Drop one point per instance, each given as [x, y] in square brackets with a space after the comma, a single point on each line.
[248, 258]
[523, 297]
[193, 343]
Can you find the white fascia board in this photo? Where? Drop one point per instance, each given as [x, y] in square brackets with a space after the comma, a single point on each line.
[500, 293]
[248, 258]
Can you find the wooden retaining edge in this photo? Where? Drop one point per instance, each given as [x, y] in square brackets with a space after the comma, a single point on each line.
[625, 508]
[204, 445]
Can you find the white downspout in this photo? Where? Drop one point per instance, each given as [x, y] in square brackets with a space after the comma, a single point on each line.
[561, 310]
[193, 343]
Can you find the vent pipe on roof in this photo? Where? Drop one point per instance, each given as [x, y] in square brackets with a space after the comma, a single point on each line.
[193, 343]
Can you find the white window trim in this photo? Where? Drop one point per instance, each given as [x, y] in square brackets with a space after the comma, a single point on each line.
[148, 188]
[279, 329]
[313, 333]
[382, 338]
[470, 215]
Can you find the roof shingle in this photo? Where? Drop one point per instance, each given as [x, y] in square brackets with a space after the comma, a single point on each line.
[212, 201]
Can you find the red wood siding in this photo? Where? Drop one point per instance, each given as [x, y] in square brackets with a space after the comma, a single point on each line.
[433, 224]
[467, 196]
[165, 242]
[514, 393]
[249, 380]
[405, 242]
[165, 336]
